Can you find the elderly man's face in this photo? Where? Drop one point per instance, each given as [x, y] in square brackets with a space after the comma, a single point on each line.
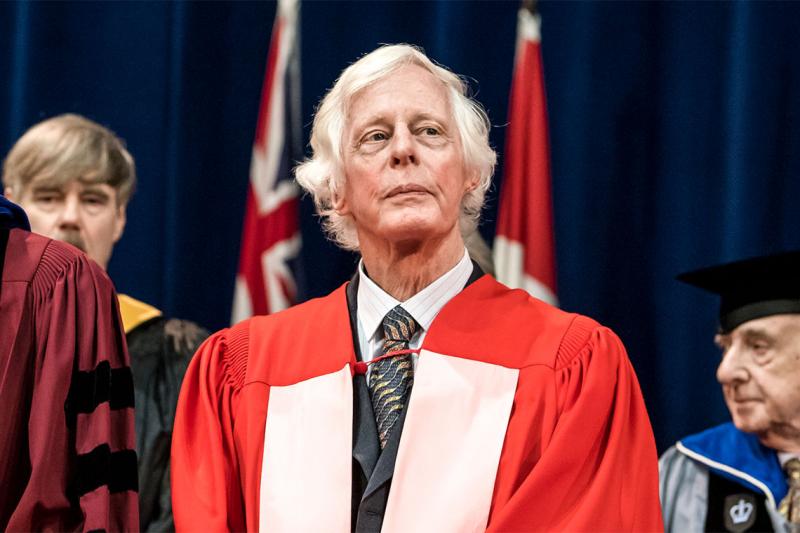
[85, 215]
[760, 374]
[403, 163]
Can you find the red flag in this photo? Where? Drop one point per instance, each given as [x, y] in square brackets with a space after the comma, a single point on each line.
[524, 248]
[270, 237]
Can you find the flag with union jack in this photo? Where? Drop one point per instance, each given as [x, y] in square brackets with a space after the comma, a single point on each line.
[524, 247]
[271, 238]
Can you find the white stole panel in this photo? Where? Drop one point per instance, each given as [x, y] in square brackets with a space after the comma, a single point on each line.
[306, 471]
[446, 463]
[450, 446]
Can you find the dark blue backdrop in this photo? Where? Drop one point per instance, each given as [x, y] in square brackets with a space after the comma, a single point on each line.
[674, 129]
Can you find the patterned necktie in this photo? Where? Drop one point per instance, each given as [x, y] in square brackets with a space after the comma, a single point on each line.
[391, 378]
[790, 505]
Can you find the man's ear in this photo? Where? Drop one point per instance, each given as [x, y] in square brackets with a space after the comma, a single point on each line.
[119, 221]
[9, 193]
[340, 205]
[473, 182]
[339, 202]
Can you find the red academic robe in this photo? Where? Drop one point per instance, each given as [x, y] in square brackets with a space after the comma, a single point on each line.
[522, 418]
[67, 459]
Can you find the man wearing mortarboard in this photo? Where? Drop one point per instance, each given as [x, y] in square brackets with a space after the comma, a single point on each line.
[745, 475]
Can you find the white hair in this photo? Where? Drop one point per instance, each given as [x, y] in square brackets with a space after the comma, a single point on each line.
[323, 175]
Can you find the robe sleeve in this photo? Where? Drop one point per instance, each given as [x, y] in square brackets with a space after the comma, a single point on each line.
[598, 469]
[206, 489]
[81, 428]
[684, 492]
[161, 351]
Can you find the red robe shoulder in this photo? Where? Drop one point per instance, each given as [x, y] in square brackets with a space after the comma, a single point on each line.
[578, 452]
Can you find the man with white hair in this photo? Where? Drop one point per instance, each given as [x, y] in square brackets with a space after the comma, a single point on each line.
[521, 416]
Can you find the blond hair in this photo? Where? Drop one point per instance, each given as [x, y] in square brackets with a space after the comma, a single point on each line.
[69, 147]
[322, 175]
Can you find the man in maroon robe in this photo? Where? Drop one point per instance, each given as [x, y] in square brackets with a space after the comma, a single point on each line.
[74, 178]
[66, 393]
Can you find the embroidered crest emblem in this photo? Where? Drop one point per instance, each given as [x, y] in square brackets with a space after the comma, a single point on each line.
[740, 512]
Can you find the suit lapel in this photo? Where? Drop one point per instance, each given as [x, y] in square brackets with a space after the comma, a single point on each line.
[365, 432]
[477, 273]
[385, 465]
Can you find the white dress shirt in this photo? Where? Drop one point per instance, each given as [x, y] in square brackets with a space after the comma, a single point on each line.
[373, 304]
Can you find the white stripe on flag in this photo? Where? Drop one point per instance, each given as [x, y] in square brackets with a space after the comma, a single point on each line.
[511, 270]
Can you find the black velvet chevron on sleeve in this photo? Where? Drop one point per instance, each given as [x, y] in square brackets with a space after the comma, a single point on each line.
[93, 387]
[101, 467]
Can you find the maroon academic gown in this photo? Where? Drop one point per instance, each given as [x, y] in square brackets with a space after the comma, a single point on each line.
[522, 418]
[67, 459]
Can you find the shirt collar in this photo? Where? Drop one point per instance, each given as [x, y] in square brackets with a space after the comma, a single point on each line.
[374, 302]
[784, 457]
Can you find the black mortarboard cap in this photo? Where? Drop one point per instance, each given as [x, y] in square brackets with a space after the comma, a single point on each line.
[752, 288]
